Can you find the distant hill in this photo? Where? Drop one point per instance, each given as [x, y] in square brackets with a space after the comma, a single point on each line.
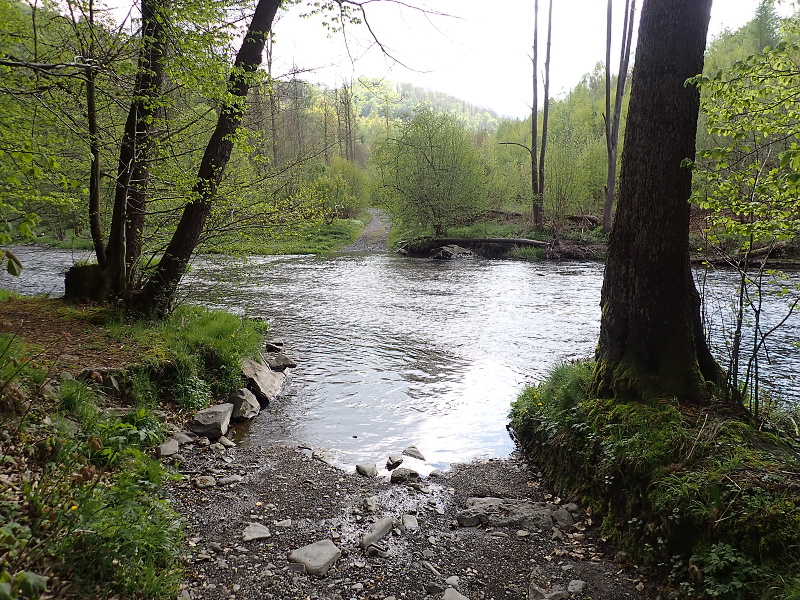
[379, 99]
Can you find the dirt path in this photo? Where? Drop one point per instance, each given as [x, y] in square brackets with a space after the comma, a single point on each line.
[302, 501]
[375, 236]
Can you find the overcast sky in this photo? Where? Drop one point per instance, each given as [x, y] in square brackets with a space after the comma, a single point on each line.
[476, 53]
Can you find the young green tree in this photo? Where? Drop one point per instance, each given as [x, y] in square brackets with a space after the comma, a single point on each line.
[431, 173]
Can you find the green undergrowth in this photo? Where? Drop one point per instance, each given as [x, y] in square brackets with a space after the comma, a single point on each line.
[189, 358]
[711, 504]
[314, 237]
[80, 502]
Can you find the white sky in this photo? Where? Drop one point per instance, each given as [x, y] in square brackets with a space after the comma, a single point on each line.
[479, 54]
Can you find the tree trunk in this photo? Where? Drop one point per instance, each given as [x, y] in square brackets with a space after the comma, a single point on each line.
[94, 149]
[159, 292]
[612, 123]
[652, 343]
[133, 167]
[536, 203]
[545, 111]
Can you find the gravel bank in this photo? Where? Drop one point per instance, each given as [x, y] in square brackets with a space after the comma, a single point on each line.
[300, 501]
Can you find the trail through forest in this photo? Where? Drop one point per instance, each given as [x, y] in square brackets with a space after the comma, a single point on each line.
[375, 236]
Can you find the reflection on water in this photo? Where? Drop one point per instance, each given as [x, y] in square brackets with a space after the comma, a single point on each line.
[393, 352]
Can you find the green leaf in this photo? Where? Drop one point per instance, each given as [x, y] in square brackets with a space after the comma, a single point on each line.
[13, 264]
[5, 591]
[30, 584]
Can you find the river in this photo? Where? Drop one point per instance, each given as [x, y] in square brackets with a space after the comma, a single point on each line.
[394, 351]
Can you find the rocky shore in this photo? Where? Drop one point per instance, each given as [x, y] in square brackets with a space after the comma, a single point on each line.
[277, 523]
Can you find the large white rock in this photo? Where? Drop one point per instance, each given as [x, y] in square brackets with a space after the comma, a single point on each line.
[262, 381]
[317, 558]
[213, 422]
[245, 404]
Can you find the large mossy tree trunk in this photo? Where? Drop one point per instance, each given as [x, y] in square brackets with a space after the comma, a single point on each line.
[652, 343]
[158, 293]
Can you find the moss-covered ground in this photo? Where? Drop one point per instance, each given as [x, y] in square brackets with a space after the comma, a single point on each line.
[708, 503]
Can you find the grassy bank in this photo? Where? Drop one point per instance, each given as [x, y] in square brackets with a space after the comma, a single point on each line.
[80, 500]
[710, 505]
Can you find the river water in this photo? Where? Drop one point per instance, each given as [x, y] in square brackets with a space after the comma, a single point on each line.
[394, 351]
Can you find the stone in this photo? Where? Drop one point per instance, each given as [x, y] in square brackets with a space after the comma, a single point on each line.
[204, 481]
[378, 531]
[367, 469]
[168, 448]
[498, 512]
[451, 594]
[410, 523]
[212, 422]
[523, 533]
[404, 475]
[576, 586]
[326, 456]
[255, 531]
[563, 518]
[413, 452]
[278, 361]
[393, 462]
[186, 437]
[245, 404]
[284, 523]
[229, 479]
[453, 581]
[436, 473]
[273, 346]
[262, 381]
[317, 558]
[226, 443]
[371, 504]
[450, 252]
[572, 507]
[434, 588]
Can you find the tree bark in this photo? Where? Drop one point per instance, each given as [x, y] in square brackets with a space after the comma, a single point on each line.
[652, 344]
[133, 167]
[536, 201]
[159, 292]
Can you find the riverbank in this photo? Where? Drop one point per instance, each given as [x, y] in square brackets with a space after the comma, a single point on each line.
[534, 546]
[298, 498]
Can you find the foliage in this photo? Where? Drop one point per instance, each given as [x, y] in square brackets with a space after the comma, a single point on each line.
[750, 177]
[715, 501]
[193, 355]
[81, 500]
[431, 173]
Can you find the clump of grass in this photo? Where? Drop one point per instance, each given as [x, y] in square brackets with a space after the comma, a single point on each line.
[527, 253]
[711, 504]
[193, 356]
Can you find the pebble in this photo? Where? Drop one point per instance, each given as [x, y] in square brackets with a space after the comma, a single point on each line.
[226, 442]
[229, 479]
[394, 461]
[523, 533]
[216, 446]
[454, 581]
[284, 523]
[204, 481]
[576, 586]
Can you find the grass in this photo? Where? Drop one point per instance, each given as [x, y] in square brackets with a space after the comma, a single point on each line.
[80, 502]
[713, 505]
[68, 241]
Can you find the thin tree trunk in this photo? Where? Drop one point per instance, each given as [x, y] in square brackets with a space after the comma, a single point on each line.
[159, 292]
[94, 149]
[652, 344]
[612, 124]
[133, 168]
[546, 110]
[536, 206]
[94, 173]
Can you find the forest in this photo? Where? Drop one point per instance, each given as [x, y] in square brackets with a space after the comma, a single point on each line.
[167, 137]
[306, 157]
